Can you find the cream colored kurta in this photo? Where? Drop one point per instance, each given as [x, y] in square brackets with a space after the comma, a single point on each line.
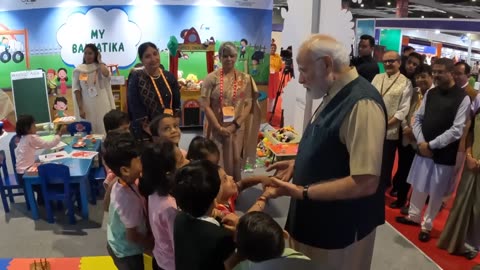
[396, 91]
[95, 107]
[360, 129]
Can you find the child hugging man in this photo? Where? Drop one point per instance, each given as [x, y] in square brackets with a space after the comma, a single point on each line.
[127, 226]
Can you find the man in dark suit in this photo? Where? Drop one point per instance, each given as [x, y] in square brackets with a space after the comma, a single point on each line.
[365, 64]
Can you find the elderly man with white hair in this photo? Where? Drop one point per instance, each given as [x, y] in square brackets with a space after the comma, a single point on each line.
[337, 201]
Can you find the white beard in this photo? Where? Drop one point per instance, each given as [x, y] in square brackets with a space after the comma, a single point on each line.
[315, 94]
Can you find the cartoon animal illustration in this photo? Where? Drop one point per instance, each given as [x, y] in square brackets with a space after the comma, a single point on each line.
[62, 77]
[243, 48]
[60, 106]
[257, 56]
[208, 42]
[190, 36]
[52, 82]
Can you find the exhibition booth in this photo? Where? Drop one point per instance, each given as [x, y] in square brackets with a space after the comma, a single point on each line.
[51, 37]
[453, 38]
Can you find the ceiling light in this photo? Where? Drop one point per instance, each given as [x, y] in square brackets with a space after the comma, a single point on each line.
[362, 5]
[389, 3]
[474, 0]
[451, 17]
[423, 16]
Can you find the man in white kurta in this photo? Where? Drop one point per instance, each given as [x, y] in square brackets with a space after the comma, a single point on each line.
[396, 91]
[438, 128]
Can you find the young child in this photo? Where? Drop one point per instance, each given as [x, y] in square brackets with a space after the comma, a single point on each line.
[126, 230]
[118, 121]
[201, 148]
[29, 143]
[259, 238]
[166, 127]
[159, 165]
[200, 241]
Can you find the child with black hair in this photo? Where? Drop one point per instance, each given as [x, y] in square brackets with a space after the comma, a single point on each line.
[166, 127]
[127, 232]
[260, 238]
[118, 121]
[29, 143]
[200, 241]
[159, 165]
[201, 148]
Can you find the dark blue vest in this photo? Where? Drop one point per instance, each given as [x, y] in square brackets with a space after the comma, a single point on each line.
[322, 157]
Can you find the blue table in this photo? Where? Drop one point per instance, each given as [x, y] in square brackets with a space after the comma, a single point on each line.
[79, 173]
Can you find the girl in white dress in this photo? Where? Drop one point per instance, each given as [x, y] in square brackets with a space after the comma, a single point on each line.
[92, 91]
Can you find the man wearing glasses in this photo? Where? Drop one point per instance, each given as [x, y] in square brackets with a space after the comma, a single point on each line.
[396, 90]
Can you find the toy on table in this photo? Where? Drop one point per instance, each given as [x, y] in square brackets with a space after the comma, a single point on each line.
[190, 83]
[285, 135]
[80, 143]
[64, 120]
[262, 150]
[42, 265]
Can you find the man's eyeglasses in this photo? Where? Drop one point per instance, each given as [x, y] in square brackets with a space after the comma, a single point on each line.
[389, 61]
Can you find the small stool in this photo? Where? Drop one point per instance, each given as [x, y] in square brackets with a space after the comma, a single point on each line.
[113, 67]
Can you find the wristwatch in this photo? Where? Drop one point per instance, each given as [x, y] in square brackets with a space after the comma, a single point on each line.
[305, 192]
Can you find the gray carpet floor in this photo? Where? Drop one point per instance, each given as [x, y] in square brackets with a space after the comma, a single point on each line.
[23, 237]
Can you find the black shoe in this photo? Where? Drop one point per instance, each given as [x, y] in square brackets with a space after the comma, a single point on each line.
[406, 221]
[393, 193]
[424, 236]
[404, 210]
[443, 206]
[470, 254]
[397, 204]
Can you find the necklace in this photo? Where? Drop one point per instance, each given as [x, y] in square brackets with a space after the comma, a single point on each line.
[235, 86]
[154, 77]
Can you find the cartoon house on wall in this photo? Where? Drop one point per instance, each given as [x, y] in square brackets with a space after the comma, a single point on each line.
[191, 112]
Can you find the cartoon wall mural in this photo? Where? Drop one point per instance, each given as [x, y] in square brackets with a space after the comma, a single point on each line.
[57, 44]
[52, 82]
[243, 48]
[60, 106]
[62, 77]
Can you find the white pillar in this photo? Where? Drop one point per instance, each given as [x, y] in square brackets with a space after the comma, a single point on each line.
[304, 18]
[469, 53]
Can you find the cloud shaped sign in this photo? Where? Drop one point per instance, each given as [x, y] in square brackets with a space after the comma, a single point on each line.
[114, 35]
